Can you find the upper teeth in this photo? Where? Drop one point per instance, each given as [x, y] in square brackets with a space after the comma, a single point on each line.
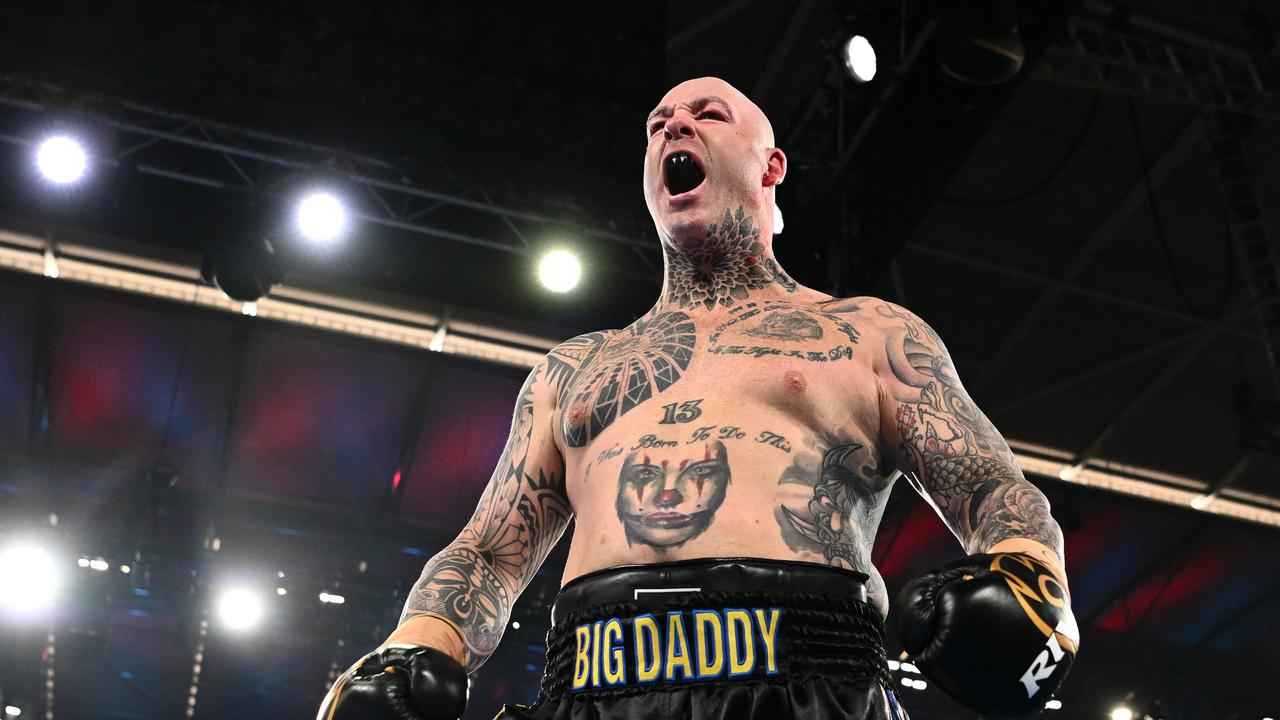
[680, 158]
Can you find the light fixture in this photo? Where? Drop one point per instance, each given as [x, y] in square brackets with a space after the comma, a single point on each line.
[515, 624]
[332, 599]
[1120, 712]
[51, 269]
[860, 58]
[28, 579]
[321, 217]
[1053, 704]
[61, 159]
[239, 609]
[777, 220]
[559, 271]
[12, 710]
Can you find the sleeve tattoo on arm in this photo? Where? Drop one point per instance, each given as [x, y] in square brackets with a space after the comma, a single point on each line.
[475, 581]
[954, 451]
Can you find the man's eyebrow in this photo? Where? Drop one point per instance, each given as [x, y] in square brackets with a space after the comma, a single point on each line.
[695, 105]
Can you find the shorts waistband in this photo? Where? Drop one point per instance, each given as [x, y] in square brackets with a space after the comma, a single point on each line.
[663, 627]
[658, 584]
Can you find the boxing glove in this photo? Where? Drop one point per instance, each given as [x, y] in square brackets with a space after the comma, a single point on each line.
[399, 682]
[994, 631]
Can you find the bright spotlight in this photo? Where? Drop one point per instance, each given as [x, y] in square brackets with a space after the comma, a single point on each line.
[1054, 704]
[331, 598]
[860, 58]
[559, 271]
[61, 160]
[321, 217]
[12, 710]
[28, 579]
[777, 220]
[1121, 712]
[239, 609]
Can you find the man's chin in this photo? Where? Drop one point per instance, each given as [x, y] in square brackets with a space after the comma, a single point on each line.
[687, 222]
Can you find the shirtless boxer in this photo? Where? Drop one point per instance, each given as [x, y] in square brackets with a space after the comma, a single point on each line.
[727, 458]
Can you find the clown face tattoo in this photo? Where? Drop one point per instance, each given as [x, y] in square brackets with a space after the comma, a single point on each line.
[668, 496]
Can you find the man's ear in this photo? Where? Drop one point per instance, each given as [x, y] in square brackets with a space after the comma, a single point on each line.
[775, 168]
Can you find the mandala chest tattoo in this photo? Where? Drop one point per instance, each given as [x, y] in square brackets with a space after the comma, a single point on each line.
[604, 376]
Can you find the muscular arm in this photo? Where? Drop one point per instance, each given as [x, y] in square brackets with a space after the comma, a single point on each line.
[463, 599]
[951, 452]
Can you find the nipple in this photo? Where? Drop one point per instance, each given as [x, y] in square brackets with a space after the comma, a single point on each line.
[795, 380]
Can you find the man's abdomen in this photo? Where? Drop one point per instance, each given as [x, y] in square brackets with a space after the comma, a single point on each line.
[759, 490]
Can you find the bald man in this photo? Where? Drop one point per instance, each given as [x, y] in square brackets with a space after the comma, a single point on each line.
[727, 458]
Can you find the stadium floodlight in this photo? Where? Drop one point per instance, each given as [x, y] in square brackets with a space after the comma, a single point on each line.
[321, 217]
[860, 59]
[29, 579]
[61, 159]
[559, 271]
[1121, 712]
[239, 609]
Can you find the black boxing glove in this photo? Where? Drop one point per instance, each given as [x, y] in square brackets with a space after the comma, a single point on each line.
[994, 631]
[399, 682]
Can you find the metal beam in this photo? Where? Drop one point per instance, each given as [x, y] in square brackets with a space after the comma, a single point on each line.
[782, 50]
[1186, 69]
[1266, 596]
[1187, 140]
[1152, 389]
[1248, 228]
[252, 161]
[705, 24]
[1184, 544]
[1093, 372]
[1077, 289]
[896, 78]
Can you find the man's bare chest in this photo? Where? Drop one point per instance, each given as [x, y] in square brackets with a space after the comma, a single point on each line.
[803, 360]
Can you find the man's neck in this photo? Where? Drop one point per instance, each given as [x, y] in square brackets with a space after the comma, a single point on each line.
[730, 264]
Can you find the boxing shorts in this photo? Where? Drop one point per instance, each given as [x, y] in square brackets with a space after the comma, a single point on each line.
[714, 639]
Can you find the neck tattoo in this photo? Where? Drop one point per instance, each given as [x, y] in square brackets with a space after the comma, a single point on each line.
[724, 268]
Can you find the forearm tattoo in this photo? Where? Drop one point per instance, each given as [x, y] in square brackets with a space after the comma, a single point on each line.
[953, 450]
[722, 268]
[475, 581]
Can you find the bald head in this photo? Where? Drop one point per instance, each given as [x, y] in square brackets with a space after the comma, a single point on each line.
[702, 91]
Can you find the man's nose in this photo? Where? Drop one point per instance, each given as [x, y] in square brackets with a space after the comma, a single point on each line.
[678, 126]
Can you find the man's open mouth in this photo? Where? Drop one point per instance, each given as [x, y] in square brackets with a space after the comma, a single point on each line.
[682, 173]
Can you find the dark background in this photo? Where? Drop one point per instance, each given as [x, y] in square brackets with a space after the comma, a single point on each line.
[1065, 231]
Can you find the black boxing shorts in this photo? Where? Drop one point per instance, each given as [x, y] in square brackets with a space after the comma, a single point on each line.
[715, 639]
